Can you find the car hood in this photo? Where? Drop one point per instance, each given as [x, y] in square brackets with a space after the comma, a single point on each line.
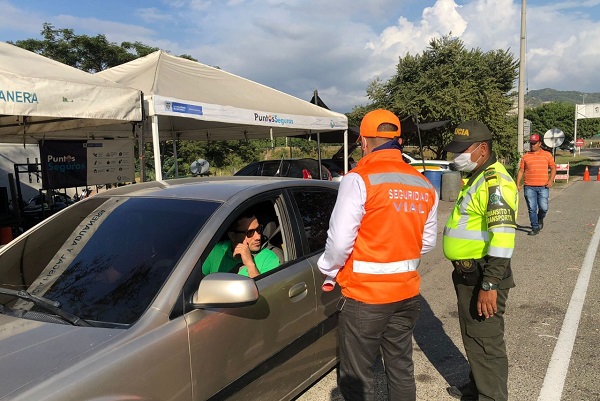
[29, 349]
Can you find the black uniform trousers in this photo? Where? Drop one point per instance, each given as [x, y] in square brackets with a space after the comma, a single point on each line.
[363, 330]
[483, 340]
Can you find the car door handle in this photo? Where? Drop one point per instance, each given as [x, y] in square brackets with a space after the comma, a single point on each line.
[298, 290]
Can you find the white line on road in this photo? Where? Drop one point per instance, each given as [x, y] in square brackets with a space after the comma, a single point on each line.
[559, 363]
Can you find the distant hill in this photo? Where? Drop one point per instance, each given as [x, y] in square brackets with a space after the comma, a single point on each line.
[536, 97]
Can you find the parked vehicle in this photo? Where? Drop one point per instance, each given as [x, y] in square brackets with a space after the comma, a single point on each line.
[106, 300]
[336, 166]
[429, 164]
[568, 146]
[292, 168]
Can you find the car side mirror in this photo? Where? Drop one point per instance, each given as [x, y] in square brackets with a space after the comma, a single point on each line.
[225, 290]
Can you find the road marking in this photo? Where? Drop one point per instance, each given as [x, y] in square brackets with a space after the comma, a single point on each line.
[559, 363]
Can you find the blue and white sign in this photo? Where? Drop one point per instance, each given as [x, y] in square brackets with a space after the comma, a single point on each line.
[183, 108]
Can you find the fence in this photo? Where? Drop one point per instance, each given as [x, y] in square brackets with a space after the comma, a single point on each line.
[562, 172]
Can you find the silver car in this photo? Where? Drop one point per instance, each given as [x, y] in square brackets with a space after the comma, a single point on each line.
[106, 299]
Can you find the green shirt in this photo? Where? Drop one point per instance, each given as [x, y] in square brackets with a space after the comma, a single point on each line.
[221, 259]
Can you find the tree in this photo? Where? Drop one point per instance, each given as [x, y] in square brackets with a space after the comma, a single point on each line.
[562, 116]
[448, 82]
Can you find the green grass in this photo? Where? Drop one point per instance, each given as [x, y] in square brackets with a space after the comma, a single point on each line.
[577, 164]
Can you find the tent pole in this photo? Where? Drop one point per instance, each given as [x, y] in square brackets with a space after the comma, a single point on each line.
[420, 142]
[345, 151]
[316, 96]
[175, 157]
[156, 149]
[319, 155]
[142, 152]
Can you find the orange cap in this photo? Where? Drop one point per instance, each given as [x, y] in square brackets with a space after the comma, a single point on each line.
[373, 119]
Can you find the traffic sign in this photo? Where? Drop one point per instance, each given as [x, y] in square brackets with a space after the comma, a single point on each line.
[579, 142]
[553, 138]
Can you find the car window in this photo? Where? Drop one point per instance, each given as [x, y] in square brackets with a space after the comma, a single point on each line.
[250, 170]
[276, 168]
[108, 263]
[266, 245]
[315, 211]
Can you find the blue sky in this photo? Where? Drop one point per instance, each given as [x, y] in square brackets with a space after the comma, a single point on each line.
[335, 46]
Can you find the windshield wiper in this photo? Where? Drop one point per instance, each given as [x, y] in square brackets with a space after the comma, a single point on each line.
[48, 305]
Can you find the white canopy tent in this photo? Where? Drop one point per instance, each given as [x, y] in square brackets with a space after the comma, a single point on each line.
[43, 99]
[189, 100]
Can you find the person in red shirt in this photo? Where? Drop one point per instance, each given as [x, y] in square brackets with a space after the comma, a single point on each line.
[534, 167]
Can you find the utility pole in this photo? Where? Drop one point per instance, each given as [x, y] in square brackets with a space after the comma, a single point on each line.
[521, 104]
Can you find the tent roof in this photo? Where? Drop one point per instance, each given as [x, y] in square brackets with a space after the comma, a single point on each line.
[51, 96]
[196, 101]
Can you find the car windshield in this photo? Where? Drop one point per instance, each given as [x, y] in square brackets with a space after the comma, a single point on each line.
[105, 259]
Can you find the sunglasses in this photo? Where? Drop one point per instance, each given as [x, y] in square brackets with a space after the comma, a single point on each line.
[250, 233]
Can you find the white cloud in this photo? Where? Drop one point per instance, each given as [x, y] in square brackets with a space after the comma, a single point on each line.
[413, 37]
[200, 5]
[114, 31]
[17, 23]
[153, 15]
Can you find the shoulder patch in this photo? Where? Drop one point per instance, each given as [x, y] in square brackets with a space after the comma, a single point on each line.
[490, 174]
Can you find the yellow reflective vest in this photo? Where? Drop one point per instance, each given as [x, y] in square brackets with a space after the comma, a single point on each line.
[483, 222]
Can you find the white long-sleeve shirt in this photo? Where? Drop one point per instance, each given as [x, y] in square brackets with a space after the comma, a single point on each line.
[345, 221]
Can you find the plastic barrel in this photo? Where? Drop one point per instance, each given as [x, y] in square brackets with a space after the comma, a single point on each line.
[451, 185]
[435, 177]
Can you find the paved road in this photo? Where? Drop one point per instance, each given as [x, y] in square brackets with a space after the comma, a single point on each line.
[547, 268]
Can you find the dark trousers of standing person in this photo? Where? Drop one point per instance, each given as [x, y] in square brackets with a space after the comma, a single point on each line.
[363, 330]
[537, 204]
[483, 340]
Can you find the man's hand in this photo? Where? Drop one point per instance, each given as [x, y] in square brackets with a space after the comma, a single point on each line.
[549, 184]
[486, 303]
[243, 251]
[328, 284]
[519, 188]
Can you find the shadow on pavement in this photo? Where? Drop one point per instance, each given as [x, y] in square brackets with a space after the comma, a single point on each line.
[439, 348]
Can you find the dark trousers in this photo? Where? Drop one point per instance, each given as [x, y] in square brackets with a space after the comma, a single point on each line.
[483, 340]
[363, 330]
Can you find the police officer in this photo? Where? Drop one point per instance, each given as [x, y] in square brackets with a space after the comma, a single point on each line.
[479, 239]
[384, 218]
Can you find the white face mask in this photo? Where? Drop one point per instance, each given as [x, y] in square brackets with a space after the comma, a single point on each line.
[463, 161]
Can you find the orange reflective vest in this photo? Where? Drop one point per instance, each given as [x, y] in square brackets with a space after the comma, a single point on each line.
[382, 267]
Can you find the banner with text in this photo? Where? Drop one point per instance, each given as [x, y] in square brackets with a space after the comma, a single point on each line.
[67, 164]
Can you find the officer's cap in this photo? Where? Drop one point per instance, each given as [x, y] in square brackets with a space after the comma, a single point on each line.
[466, 134]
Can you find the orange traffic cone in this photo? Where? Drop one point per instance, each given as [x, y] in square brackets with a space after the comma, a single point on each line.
[586, 174]
[598, 176]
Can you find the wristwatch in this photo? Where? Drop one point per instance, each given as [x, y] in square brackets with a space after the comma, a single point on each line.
[486, 286]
